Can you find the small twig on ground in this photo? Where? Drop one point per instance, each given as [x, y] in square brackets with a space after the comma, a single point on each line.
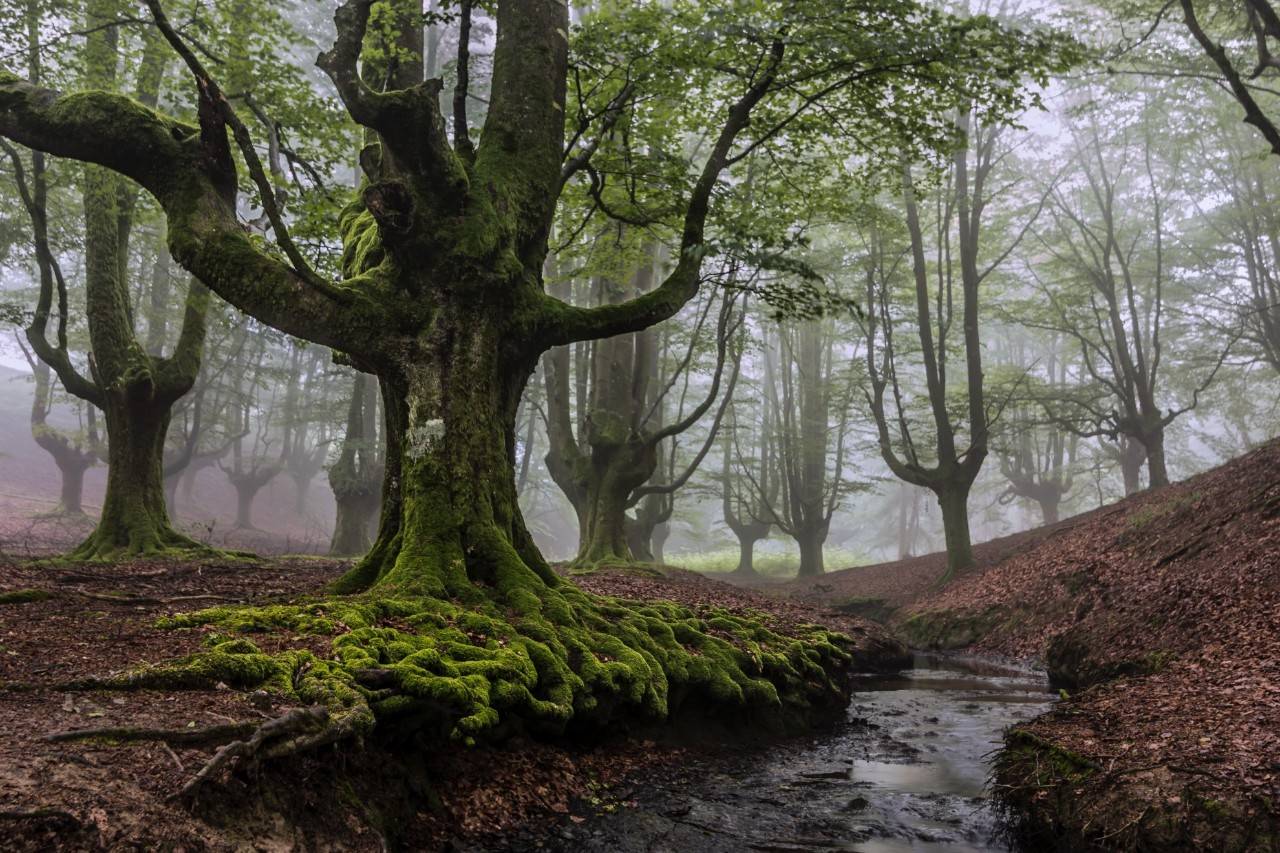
[174, 756]
[146, 599]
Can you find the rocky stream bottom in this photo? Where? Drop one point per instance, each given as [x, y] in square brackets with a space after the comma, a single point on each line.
[906, 771]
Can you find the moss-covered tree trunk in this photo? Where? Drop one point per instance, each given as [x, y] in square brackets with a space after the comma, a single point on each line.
[443, 252]
[457, 522]
[135, 519]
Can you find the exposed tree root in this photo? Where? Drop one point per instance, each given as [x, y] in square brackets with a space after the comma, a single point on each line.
[185, 737]
[105, 544]
[57, 815]
[272, 739]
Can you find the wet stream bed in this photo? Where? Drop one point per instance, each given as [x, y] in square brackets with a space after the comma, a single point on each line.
[906, 771]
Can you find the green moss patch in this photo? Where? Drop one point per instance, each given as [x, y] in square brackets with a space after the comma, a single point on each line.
[24, 596]
[945, 629]
[484, 670]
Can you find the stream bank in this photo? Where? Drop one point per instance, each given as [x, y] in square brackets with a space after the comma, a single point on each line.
[905, 771]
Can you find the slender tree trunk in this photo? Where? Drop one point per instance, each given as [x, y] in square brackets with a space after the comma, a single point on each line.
[354, 478]
[659, 540]
[746, 556]
[302, 490]
[1132, 455]
[954, 502]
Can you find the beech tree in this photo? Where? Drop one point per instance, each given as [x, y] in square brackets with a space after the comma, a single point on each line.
[134, 389]
[442, 300]
[1113, 236]
[940, 461]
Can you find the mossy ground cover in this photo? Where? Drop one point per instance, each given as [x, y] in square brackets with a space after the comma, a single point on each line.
[444, 669]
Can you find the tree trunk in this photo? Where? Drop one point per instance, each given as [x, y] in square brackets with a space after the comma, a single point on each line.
[811, 542]
[954, 502]
[1049, 508]
[135, 519]
[1157, 472]
[1132, 455]
[454, 520]
[71, 496]
[658, 539]
[620, 463]
[247, 488]
[302, 490]
[351, 529]
[746, 556]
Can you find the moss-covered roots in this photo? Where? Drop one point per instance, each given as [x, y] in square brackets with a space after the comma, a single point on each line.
[435, 668]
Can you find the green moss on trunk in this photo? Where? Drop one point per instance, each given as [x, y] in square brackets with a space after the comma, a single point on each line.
[134, 520]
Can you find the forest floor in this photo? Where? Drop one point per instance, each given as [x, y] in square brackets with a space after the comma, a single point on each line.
[1161, 615]
[110, 792]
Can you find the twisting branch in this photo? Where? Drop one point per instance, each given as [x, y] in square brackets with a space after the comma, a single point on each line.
[56, 356]
[212, 94]
[562, 323]
[341, 62]
[1253, 113]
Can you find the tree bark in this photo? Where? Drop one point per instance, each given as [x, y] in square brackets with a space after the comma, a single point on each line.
[1157, 470]
[811, 542]
[135, 519]
[955, 527]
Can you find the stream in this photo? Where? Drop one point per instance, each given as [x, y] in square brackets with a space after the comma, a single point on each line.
[906, 771]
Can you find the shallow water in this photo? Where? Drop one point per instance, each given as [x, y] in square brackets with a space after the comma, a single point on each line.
[906, 772]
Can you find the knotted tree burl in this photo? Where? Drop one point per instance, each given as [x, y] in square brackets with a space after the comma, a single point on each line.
[454, 619]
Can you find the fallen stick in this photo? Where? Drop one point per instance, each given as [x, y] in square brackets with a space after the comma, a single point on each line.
[209, 734]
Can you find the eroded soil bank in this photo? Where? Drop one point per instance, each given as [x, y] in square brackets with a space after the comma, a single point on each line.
[1160, 616]
[60, 622]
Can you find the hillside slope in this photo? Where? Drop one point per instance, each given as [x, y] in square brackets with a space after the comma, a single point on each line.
[1162, 615]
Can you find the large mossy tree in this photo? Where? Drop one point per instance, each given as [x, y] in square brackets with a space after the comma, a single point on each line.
[443, 299]
[134, 389]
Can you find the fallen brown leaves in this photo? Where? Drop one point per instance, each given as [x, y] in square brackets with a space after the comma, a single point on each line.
[1184, 583]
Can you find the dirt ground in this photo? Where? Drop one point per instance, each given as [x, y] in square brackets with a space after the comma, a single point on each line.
[70, 622]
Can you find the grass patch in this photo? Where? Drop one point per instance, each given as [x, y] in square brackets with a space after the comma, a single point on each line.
[770, 564]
